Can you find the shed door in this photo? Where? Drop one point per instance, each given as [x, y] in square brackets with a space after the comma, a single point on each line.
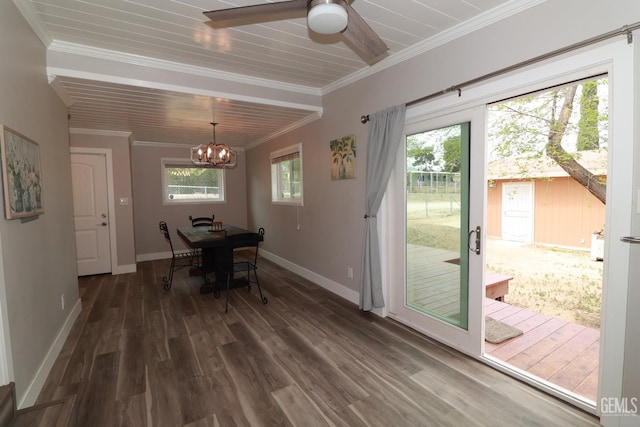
[517, 212]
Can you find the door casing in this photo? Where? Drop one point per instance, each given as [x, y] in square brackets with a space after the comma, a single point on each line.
[107, 153]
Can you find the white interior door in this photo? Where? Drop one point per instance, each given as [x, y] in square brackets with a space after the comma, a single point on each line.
[91, 213]
[517, 212]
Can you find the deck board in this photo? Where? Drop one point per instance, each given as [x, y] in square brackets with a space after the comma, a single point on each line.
[552, 349]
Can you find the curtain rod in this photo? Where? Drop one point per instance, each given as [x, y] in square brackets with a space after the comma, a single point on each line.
[625, 30]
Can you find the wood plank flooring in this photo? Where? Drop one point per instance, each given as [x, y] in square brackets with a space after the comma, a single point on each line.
[142, 356]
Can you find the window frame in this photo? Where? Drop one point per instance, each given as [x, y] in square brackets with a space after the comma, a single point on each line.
[276, 183]
[166, 163]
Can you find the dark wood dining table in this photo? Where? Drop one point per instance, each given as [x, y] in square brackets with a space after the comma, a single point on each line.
[217, 251]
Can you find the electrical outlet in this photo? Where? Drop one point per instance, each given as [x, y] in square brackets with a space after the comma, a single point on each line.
[350, 273]
[62, 301]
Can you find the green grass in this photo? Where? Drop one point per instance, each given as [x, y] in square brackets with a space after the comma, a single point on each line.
[434, 236]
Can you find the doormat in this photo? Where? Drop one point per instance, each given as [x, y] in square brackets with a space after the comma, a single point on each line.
[496, 332]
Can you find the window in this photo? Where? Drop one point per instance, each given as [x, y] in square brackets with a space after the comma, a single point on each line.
[183, 182]
[286, 176]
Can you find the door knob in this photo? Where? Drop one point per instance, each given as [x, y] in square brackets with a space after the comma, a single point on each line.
[104, 224]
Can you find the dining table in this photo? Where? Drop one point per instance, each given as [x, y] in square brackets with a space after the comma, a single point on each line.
[217, 245]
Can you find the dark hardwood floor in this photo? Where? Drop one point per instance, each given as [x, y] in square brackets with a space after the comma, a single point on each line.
[142, 356]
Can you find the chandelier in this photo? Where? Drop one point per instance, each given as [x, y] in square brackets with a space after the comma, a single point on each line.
[213, 154]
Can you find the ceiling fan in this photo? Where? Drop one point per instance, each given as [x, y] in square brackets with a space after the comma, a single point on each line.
[323, 17]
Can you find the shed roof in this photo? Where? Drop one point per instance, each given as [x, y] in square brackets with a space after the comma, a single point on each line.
[545, 167]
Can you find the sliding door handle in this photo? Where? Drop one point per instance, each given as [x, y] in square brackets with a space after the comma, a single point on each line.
[476, 250]
[630, 239]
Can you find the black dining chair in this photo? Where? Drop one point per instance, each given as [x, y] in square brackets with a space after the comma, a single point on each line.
[245, 268]
[201, 221]
[178, 260]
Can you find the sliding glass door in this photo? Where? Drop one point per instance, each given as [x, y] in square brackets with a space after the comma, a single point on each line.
[437, 217]
[430, 277]
[442, 243]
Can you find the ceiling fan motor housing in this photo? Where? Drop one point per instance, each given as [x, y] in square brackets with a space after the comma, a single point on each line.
[327, 16]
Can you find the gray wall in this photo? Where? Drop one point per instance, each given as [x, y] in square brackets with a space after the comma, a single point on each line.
[122, 187]
[149, 210]
[329, 240]
[38, 262]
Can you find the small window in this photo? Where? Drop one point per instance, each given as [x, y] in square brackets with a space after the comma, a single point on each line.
[183, 182]
[286, 176]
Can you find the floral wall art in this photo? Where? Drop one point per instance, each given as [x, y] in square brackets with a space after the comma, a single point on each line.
[343, 157]
[22, 176]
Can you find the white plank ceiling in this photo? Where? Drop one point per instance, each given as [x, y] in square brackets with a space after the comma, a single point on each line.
[155, 69]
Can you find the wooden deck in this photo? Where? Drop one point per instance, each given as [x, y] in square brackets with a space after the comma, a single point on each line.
[562, 353]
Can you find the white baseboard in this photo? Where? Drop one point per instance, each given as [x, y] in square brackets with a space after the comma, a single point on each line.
[328, 284]
[124, 269]
[32, 392]
[157, 255]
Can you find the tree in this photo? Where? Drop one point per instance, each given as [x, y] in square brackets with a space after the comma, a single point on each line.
[537, 125]
[588, 137]
[452, 155]
[423, 156]
[566, 161]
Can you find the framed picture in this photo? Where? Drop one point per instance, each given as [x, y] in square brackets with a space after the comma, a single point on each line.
[343, 157]
[22, 175]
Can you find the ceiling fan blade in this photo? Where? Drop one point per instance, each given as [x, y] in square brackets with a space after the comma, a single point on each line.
[257, 13]
[361, 37]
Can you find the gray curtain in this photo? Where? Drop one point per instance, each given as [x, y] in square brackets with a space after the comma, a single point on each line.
[385, 130]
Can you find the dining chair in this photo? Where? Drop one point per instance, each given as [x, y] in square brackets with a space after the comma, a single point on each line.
[249, 242]
[178, 260]
[201, 221]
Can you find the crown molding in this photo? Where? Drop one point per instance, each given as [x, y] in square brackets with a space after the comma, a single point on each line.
[131, 59]
[33, 19]
[60, 90]
[310, 118]
[483, 20]
[158, 144]
[99, 132]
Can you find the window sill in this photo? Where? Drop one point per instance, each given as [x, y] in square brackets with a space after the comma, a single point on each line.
[287, 202]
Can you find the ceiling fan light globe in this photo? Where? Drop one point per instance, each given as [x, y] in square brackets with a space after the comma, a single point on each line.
[327, 18]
